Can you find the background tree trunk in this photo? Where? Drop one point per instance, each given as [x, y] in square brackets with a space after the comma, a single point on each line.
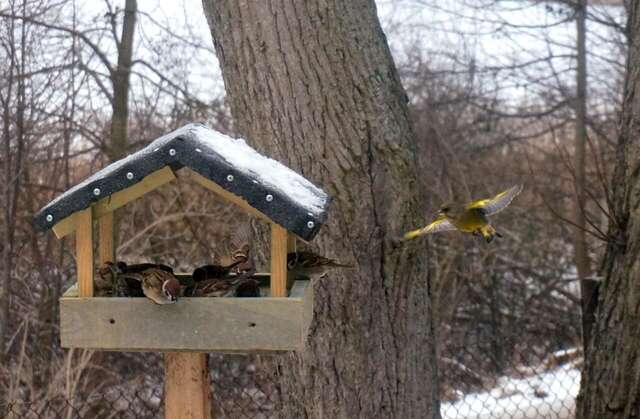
[581, 250]
[313, 85]
[120, 79]
[611, 378]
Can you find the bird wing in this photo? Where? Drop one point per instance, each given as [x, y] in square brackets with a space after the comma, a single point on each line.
[497, 203]
[441, 224]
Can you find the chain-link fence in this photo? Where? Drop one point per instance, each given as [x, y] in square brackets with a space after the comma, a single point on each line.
[513, 357]
[241, 390]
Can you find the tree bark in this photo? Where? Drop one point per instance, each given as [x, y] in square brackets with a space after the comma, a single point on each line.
[313, 85]
[611, 377]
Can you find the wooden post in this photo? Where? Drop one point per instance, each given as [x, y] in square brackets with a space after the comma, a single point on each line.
[291, 248]
[84, 252]
[279, 245]
[106, 248]
[186, 386]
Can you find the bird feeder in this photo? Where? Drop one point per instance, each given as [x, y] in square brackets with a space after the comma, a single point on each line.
[293, 207]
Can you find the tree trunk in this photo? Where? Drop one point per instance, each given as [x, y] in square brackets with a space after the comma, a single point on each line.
[120, 79]
[581, 251]
[313, 85]
[611, 377]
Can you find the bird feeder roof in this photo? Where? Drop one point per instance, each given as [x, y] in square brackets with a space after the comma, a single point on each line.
[284, 196]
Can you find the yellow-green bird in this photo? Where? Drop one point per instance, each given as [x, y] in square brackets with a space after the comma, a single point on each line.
[470, 218]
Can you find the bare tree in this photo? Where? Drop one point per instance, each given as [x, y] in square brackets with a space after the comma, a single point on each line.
[611, 377]
[314, 86]
[120, 76]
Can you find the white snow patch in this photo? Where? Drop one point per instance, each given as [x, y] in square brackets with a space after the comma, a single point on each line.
[549, 394]
[266, 171]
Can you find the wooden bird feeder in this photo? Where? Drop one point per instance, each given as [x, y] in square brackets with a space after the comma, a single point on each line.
[293, 207]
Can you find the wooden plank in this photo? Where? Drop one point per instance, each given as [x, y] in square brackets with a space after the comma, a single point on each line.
[84, 252]
[279, 242]
[106, 248]
[118, 199]
[212, 186]
[291, 248]
[187, 393]
[291, 243]
[65, 226]
[192, 324]
[123, 197]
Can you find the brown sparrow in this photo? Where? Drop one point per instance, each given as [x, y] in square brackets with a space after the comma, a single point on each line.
[236, 286]
[239, 250]
[139, 267]
[158, 285]
[311, 265]
[207, 272]
[105, 280]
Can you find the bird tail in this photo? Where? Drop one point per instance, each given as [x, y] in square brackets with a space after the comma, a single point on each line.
[413, 234]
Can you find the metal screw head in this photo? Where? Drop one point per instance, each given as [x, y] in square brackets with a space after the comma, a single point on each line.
[310, 224]
[129, 175]
[49, 218]
[230, 178]
[96, 191]
[269, 198]
[172, 152]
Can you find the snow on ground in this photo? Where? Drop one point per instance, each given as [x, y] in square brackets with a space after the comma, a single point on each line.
[551, 394]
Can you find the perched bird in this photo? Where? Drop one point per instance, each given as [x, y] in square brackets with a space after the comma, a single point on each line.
[235, 286]
[239, 249]
[139, 267]
[158, 285]
[105, 280]
[470, 218]
[206, 272]
[110, 281]
[311, 265]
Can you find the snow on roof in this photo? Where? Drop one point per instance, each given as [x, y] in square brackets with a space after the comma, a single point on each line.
[267, 171]
[277, 191]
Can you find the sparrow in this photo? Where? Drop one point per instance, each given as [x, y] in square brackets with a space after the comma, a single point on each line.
[310, 265]
[105, 280]
[158, 285]
[139, 267]
[207, 272]
[239, 250]
[235, 286]
[468, 218]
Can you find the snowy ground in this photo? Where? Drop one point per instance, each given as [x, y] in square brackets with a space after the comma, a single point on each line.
[550, 395]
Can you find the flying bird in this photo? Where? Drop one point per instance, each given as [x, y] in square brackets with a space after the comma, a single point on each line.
[470, 218]
[311, 265]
